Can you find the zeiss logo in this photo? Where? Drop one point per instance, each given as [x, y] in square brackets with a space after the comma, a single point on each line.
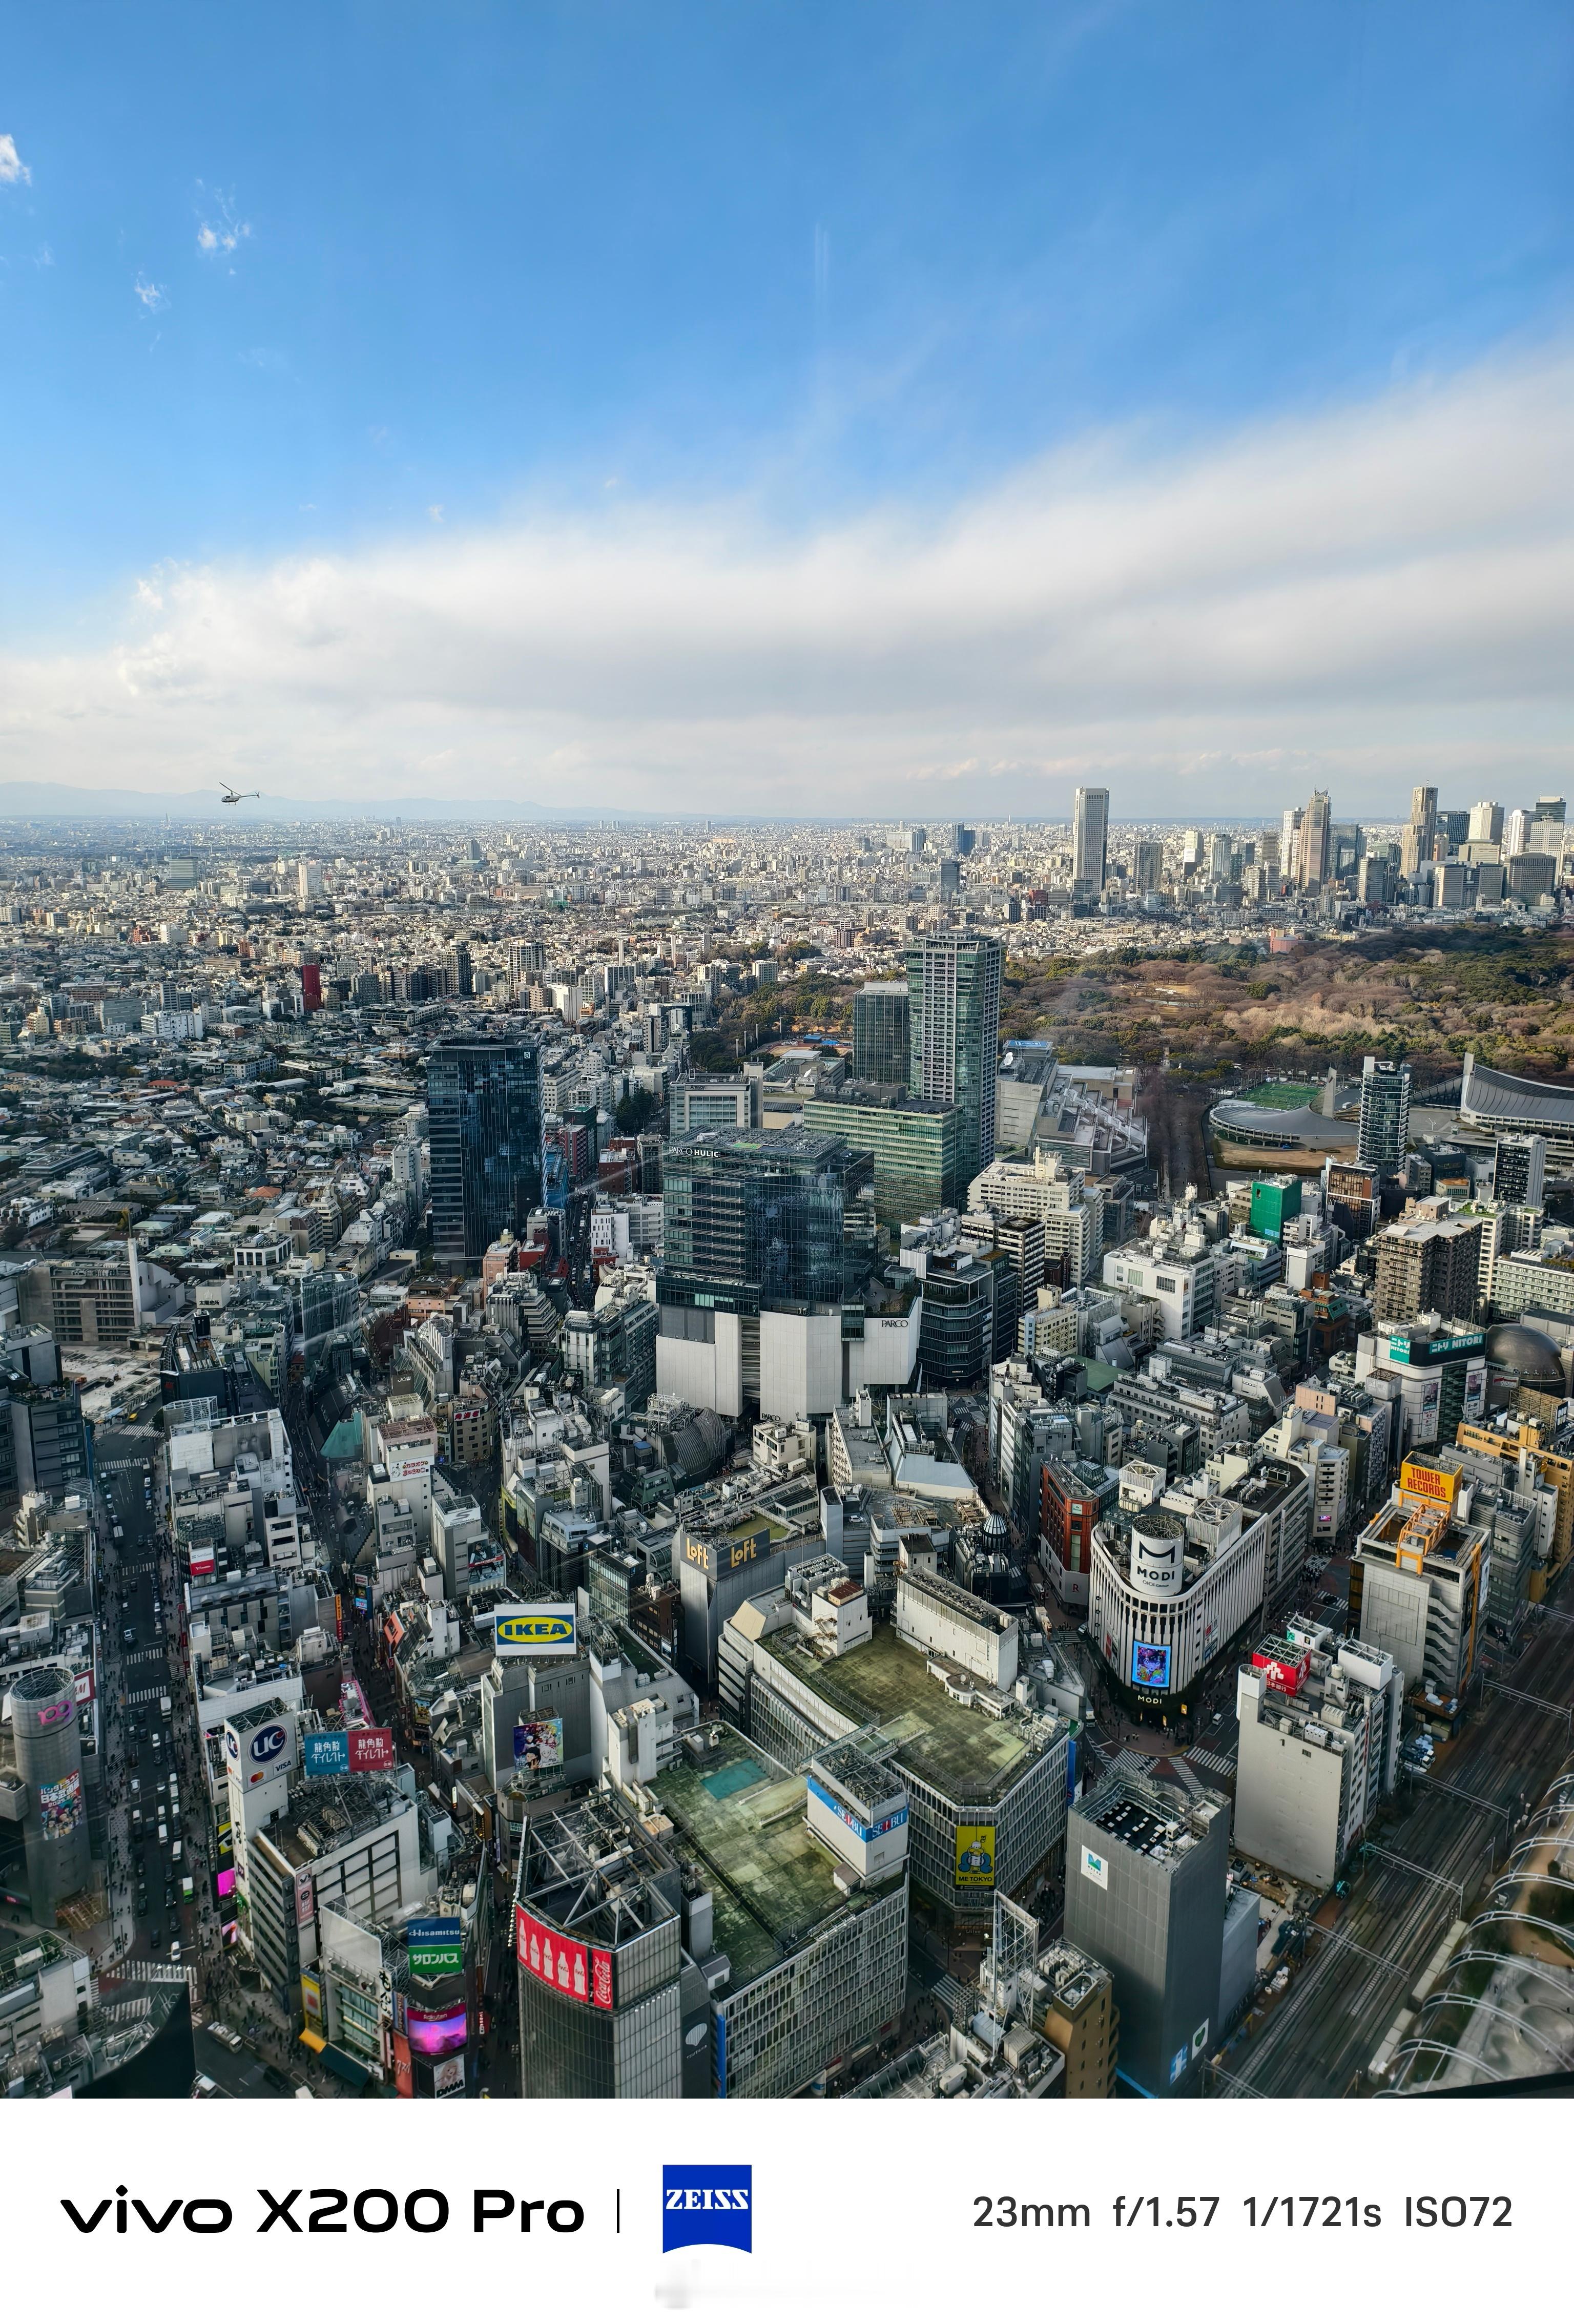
[707, 2203]
[269, 1742]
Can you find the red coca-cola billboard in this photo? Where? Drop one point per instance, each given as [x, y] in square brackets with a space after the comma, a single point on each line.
[582, 1972]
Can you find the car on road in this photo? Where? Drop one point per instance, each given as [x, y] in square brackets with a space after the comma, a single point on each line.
[205, 2087]
[225, 2034]
[175, 1951]
[128, 1636]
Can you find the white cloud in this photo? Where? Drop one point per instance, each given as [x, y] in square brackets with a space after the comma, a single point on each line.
[13, 169]
[222, 233]
[153, 296]
[1354, 600]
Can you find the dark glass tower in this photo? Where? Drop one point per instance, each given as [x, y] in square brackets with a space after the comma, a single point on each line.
[758, 1219]
[879, 1034]
[953, 988]
[484, 1109]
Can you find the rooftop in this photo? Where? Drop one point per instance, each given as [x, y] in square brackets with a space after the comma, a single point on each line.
[772, 1883]
[965, 1754]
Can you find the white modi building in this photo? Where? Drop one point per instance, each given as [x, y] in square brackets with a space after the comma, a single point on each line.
[1168, 1595]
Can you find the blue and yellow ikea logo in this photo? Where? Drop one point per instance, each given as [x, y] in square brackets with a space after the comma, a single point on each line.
[549, 1631]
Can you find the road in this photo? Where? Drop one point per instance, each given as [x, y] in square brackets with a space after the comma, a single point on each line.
[1319, 2040]
[1177, 1140]
[153, 1774]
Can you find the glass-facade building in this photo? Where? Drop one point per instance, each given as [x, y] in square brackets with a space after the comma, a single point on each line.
[758, 1219]
[916, 1143]
[953, 1008]
[1384, 1131]
[880, 1033]
[483, 1106]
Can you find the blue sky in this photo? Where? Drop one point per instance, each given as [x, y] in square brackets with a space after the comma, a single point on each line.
[330, 281]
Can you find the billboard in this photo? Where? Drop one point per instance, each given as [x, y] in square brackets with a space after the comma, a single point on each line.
[975, 1856]
[312, 1995]
[1427, 1484]
[1281, 1671]
[538, 1743]
[436, 1948]
[403, 2072]
[349, 1751]
[305, 1900]
[535, 1630]
[1095, 1867]
[448, 2078]
[60, 1807]
[433, 2034]
[223, 1883]
[82, 1686]
[1150, 1665]
[585, 1972]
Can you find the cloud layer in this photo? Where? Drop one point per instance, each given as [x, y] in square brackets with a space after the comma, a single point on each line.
[1355, 599]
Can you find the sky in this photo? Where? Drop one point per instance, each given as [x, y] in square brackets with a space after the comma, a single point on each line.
[788, 408]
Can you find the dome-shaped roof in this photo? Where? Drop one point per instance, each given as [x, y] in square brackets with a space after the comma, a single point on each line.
[1530, 1355]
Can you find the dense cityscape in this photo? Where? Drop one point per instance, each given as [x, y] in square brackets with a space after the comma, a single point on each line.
[682, 1459]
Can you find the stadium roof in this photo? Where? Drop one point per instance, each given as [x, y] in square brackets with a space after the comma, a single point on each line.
[1494, 1098]
[1287, 1127]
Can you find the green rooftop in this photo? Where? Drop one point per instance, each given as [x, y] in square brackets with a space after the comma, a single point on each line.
[964, 1753]
[771, 1881]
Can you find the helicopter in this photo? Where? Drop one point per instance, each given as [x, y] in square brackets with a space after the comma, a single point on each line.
[233, 798]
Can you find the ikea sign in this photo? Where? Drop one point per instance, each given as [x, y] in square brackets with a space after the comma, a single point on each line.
[535, 1630]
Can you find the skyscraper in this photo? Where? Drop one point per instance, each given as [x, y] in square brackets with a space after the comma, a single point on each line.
[1486, 822]
[954, 989]
[879, 1033]
[1520, 1173]
[1384, 1130]
[1422, 831]
[1090, 838]
[484, 1117]
[1316, 829]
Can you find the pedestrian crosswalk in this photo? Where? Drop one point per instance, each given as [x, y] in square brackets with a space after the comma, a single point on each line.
[145, 1694]
[1214, 1761]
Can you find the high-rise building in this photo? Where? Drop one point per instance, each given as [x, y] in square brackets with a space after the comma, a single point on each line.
[1486, 822]
[953, 988]
[913, 1140]
[1519, 1174]
[1316, 829]
[1422, 831]
[1428, 1266]
[1385, 1129]
[484, 1128]
[1516, 832]
[880, 1033]
[1148, 865]
[598, 1938]
[460, 975]
[1090, 838]
[49, 1761]
[1319, 1750]
[1147, 1865]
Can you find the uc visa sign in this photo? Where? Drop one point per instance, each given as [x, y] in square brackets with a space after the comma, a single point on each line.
[535, 1630]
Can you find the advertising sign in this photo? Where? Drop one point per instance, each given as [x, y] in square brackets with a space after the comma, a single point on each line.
[60, 1807]
[305, 1900]
[268, 1744]
[311, 1996]
[562, 1962]
[403, 2073]
[535, 1630]
[223, 1883]
[975, 1856]
[1423, 1419]
[349, 1751]
[448, 2078]
[1280, 1672]
[1427, 1484]
[1095, 1867]
[435, 2034]
[201, 1560]
[538, 1743]
[436, 1948]
[82, 1685]
[864, 1831]
[1475, 1391]
[1150, 1665]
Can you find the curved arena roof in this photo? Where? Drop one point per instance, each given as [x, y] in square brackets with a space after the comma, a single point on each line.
[1506, 1101]
[1503, 2010]
[1267, 1126]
